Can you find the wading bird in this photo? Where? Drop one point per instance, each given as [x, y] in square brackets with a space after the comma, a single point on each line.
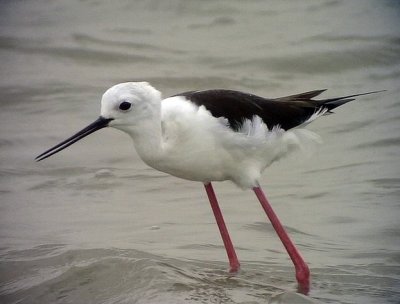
[214, 135]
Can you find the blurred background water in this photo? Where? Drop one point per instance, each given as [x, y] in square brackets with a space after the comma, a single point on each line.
[93, 224]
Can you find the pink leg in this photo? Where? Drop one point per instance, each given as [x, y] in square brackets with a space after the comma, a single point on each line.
[302, 271]
[233, 260]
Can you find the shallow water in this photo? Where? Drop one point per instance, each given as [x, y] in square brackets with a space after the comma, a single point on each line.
[93, 224]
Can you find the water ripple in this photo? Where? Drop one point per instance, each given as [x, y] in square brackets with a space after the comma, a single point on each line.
[80, 276]
[324, 62]
[80, 54]
[380, 143]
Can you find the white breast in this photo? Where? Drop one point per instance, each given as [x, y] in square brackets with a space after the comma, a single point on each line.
[197, 146]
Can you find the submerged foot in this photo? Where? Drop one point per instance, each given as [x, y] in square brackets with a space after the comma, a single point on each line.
[303, 280]
[234, 268]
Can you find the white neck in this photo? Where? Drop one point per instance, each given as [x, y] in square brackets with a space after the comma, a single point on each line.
[147, 138]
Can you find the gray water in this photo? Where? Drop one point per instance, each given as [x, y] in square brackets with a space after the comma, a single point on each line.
[93, 224]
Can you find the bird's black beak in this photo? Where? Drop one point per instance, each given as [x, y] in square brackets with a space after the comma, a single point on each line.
[100, 123]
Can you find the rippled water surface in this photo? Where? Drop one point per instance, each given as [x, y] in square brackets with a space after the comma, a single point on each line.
[93, 224]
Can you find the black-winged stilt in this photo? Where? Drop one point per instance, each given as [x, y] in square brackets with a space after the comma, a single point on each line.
[214, 135]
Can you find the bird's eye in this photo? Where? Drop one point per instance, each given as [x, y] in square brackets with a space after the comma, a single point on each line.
[125, 106]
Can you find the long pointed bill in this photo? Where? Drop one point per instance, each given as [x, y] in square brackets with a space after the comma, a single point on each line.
[100, 123]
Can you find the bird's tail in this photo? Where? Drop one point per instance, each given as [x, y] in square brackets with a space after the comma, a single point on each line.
[330, 104]
[333, 103]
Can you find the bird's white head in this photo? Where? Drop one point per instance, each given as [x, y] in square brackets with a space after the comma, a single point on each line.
[125, 106]
[129, 103]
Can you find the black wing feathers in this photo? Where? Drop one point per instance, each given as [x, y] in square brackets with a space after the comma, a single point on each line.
[302, 96]
[286, 112]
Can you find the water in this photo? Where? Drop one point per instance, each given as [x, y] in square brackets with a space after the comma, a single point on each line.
[93, 224]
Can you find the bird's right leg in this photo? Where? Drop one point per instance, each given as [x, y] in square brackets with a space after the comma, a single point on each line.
[230, 250]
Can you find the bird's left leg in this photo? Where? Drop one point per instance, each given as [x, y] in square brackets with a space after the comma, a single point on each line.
[230, 250]
[302, 271]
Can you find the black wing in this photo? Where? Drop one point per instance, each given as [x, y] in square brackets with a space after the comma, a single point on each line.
[286, 112]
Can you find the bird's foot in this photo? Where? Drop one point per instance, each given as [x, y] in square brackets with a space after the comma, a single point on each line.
[303, 280]
[234, 268]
